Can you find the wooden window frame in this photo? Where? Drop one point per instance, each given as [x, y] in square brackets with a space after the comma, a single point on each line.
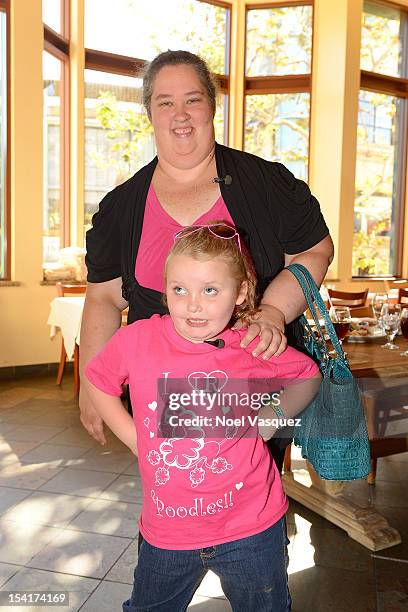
[58, 45]
[397, 87]
[5, 8]
[278, 84]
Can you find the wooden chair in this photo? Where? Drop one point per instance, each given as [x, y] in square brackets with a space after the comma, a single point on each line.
[383, 407]
[403, 297]
[62, 291]
[399, 283]
[352, 299]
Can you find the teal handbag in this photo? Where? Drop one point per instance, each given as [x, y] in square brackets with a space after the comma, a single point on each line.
[333, 432]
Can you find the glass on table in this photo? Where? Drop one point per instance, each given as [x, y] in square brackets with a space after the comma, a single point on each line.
[379, 299]
[404, 327]
[341, 318]
[389, 321]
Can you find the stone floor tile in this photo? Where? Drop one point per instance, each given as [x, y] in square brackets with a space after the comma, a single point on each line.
[109, 517]
[75, 436]
[57, 454]
[106, 460]
[5, 427]
[10, 452]
[7, 571]
[18, 543]
[10, 497]
[31, 432]
[78, 587]
[122, 570]
[45, 508]
[324, 589]
[79, 553]
[14, 396]
[210, 586]
[107, 597]
[85, 483]
[132, 469]
[208, 604]
[27, 475]
[124, 488]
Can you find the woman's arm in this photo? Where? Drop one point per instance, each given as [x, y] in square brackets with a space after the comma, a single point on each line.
[117, 418]
[283, 300]
[101, 318]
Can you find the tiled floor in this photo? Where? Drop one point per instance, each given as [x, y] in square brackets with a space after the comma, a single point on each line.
[68, 511]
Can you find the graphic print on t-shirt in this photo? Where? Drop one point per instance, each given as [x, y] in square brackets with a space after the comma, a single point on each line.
[199, 456]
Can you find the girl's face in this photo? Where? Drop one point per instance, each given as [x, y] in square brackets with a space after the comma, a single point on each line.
[181, 116]
[201, 296]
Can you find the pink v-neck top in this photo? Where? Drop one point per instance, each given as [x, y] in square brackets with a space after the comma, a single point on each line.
[158, 236]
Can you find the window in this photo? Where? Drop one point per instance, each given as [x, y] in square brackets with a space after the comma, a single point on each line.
[277, 85]
[4, 221]
[141, 29]
[119, 38]
[53, 212]
[55, 130]
[52, 14]
[381, 143]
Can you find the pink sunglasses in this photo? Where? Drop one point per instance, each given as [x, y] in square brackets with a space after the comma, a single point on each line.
[219, 230]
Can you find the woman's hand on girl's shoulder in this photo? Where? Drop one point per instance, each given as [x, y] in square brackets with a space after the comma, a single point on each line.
[269, 326]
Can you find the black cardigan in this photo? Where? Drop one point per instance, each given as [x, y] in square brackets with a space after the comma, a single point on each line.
[274, 211]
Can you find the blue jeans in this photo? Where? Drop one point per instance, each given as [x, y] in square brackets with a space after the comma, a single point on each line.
[253, 574]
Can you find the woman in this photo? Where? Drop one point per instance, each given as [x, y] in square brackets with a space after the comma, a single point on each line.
[194, 180]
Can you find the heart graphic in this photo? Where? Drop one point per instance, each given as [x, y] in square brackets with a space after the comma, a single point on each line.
[152, 406]
[147, 422]
[239, 485]
[226, 409]
[210, 382]
[151, 434]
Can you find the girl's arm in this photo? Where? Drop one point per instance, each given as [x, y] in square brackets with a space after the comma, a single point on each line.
[293, 399]
[114, 414]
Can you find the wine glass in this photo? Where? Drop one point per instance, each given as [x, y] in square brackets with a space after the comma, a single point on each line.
[379, 299]
[389, 321]
[404, 328]
[341, 318]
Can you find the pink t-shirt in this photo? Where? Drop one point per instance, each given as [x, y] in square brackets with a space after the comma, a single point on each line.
[197, 492]
[158, 236]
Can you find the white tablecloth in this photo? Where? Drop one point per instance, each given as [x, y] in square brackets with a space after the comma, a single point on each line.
[66, 314]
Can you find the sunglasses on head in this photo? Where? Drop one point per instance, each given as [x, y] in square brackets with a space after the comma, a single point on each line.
[219, 230]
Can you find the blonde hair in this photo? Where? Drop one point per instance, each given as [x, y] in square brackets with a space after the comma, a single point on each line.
[207, 242]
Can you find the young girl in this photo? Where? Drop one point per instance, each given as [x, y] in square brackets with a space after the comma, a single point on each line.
[210, 501]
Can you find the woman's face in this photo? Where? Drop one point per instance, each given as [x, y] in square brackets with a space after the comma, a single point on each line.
[181, 116]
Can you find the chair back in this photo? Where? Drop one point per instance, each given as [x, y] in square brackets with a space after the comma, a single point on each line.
[63, 289]
[399, 283]
[352, 299]
[403, 297]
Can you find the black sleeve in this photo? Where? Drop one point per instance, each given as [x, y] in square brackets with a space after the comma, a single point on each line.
[299, 222]
[103, 251]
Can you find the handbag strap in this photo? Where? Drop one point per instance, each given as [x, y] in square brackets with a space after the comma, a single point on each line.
[313, 299]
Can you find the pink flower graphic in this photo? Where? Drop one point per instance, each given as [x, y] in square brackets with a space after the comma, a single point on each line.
[220, 465]
[154, 457]
[162, 476]
[197, 476]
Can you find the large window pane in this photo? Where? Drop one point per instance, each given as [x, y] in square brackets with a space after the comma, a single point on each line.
[277, 128]
[279, 41]
[143, 29]
[381, 40]
[377, 187]
[52, 228]
[52, 14]
[3, 143]
[118, 135]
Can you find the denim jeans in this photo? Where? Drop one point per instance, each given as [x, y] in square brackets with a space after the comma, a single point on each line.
[253, 574]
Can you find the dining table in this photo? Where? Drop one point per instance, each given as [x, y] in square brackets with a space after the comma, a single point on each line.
[379, 371]
[66, 316]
